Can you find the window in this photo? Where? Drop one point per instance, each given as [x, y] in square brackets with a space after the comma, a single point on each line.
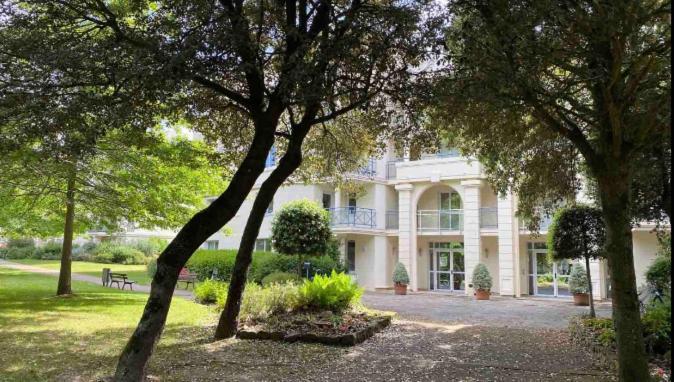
[327, 200]
[263, 245]
[212, 244]
[351, 255]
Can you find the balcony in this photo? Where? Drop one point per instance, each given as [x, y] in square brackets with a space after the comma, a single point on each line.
[449, 153]
[369, 170]
[439, 220]
[391, 219]
[391, 169]
[489, 217]
[543, 225]
[353, 217]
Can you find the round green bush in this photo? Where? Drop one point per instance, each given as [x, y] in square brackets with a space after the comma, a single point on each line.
[118, 254]
[210, 291]
[481, 278]
[400, 275]
[659, 274]
[280, 278]
[301, 227]
[578, 279]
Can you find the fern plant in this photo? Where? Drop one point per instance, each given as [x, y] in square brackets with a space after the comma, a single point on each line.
[335, 292]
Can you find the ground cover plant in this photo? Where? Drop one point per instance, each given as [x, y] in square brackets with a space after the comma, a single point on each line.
[91, 327]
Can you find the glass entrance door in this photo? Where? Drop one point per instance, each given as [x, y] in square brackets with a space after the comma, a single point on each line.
[447, 269]
[547, 278]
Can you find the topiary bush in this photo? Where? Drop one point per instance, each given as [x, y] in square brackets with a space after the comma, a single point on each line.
[301, 228]
[208, 292]
[335, 292]
[400, 276]
[118, 254]
[281, 278]
[578, 279]
[481, 278]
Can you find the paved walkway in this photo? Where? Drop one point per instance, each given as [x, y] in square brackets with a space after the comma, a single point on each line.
[85, 278]
[540, 313]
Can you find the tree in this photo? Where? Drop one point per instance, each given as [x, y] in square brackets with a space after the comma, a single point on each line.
[301, 228]
[540, 90]
[53, 188]
[578, 232]
[246, 72]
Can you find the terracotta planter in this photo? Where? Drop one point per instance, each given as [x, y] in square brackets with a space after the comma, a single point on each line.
[482, 294]
[400, 289]
[582, 299]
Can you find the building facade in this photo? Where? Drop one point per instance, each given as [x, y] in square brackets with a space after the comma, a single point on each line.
[439, 217]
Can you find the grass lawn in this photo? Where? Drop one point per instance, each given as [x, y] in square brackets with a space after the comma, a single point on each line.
[47, 338]
[136, 273]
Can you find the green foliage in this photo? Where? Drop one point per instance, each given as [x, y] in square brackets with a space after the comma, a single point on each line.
[151, 267]
[261, 302]
[578, 279]
[208, 291]
[49, 251]
[657, 324]
[19, 253]
[577, 232]
[481, 278]
[400, 275]
[335, 292]
[21, 243]
[301, 227]
[119, 254]
[280, 278]
[659, 273]
[150, 247]
[264, 263]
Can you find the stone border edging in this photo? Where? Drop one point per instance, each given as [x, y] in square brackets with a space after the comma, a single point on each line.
[350, 339]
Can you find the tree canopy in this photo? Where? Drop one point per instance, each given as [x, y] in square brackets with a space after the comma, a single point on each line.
[577, 232]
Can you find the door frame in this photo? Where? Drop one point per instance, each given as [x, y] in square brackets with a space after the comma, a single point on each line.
[533, 274]
[433, 272]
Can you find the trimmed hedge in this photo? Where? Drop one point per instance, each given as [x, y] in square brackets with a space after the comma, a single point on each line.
[204, 261]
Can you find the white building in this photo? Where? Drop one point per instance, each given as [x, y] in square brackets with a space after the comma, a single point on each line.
[439, 217]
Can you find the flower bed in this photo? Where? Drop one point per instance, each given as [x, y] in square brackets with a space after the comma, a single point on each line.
[345, 329]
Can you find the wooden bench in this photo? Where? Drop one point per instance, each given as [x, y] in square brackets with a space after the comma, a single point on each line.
[122, 278]
[187, 277]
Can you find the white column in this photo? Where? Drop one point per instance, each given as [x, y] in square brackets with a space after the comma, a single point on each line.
[471, 228]
[595, 273]
[381, 256]
[506, 246]
[338, 197]
[405, 251]
[380, 205]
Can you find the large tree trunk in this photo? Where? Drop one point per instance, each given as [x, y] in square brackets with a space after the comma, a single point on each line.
[589, 286]
[614, 195]
[64, 284]
[133, 360]
[227, 325]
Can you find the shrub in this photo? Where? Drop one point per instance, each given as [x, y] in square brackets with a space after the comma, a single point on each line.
[207, 292]
[335, 292]
[481, 278]
[150, 247]
[118, 254]
[21, 243]
[578, 279]
[151, 267]
[400, 275]
[19, 253]
[657, 326]
[280, 278]
[203, 262]
[49, 251]
[301, 227]
[261, 302]
[659, 274]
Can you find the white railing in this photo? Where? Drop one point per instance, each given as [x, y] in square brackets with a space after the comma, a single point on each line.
[439, 220]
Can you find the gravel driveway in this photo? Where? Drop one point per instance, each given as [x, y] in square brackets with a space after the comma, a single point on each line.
[541, 313]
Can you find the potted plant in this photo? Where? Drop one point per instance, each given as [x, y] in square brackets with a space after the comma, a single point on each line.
[578, 285]
[400, 279]
[481, 282]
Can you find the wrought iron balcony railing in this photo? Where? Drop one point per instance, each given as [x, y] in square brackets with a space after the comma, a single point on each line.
[369, 170]
[353, 217]
[488, 217]
[439, 220]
